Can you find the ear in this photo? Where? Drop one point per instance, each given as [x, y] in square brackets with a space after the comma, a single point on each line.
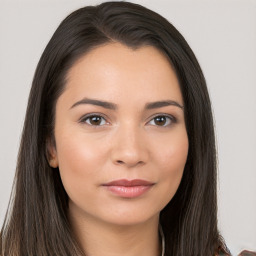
[51, 153]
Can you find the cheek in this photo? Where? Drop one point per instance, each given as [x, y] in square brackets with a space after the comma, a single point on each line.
[78, 154]
[172, 158]
[172, 152]
[78, 163]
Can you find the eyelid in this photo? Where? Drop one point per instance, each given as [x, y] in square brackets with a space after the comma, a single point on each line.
[173, 119]
[86, 116]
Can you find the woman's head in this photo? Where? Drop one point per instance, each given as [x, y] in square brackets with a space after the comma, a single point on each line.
[189, 219]
[120, 119]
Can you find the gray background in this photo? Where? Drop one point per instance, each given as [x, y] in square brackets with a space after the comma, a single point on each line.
[223, 36]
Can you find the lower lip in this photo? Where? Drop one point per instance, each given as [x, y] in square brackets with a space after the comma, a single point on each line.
[129, 192]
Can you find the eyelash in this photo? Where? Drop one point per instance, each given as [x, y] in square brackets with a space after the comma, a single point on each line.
[87, 117]
[172, 119]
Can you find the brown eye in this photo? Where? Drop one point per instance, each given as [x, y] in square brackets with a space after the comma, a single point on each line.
[162, 120]
[95, 120]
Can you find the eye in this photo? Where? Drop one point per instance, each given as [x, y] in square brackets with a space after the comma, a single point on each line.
[162, 120]
[94, 120]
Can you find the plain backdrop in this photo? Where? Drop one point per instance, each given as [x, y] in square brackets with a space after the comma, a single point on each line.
[223, 36]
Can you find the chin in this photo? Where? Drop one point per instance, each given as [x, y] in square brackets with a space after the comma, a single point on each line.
[128, 220]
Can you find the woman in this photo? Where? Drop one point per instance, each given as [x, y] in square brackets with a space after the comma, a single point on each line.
[118, 152]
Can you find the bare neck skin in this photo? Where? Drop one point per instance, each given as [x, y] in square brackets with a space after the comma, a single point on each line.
[99, 238]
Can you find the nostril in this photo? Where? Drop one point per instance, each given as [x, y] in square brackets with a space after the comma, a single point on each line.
[120, 162]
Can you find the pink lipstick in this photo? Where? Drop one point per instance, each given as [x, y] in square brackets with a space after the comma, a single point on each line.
[128, 188]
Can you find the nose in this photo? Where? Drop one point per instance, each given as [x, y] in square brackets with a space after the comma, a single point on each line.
[129, 147]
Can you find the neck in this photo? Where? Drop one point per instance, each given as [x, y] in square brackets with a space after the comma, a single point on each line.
[98, 238]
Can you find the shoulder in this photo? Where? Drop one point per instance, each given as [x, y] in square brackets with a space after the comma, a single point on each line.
[247, 253]
[223, 252]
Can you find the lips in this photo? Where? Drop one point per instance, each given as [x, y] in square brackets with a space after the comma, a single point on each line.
[128, 188]
[129, 183]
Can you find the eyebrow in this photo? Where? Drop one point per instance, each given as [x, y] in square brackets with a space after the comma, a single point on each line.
[164, 103]
[104, 104]
[113, 106]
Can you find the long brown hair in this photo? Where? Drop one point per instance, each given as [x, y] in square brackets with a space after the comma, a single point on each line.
[36, 222]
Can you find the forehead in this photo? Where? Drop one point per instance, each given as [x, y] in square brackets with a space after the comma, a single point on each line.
[114, 70]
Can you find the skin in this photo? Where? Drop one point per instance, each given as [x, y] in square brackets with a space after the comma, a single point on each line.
[127, 142]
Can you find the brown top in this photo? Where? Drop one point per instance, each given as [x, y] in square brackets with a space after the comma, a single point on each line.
[224, 252]
[247, 253]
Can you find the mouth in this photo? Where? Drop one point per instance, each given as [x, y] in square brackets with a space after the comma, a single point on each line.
[129, 188]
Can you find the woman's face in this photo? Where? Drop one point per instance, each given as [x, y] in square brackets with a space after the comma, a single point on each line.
[121, 141]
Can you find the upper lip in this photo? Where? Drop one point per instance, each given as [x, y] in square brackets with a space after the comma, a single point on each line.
[129, 183]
